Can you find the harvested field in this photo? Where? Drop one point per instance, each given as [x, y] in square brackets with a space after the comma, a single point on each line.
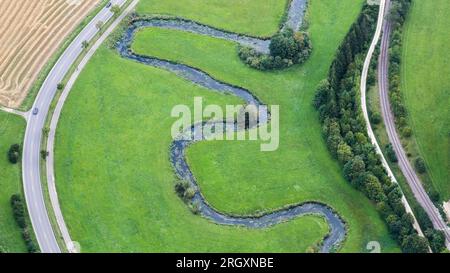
[31, 32]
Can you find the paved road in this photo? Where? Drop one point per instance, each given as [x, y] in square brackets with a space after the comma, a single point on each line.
[33, 135]
[363, 88]
[405, 166]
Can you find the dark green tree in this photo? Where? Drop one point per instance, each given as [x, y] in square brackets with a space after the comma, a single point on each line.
[390, 153]
[14, 153]
[373, 188]
[344, 152]
[414, 244]
[419, 163]
[284, 45]
[436, 239]
[354, 168]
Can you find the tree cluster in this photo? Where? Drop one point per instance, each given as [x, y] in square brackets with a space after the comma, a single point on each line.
[286, 49]
[184, 190]
[345, 133]
[14, 153]
[20, 217]
[390, 153]
[436, 238]
[419, 163]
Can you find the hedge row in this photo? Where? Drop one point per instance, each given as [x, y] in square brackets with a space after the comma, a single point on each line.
[20, 217]
[397, 16]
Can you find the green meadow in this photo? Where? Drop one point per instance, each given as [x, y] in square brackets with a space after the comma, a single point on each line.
[261, 18]
[426, 87]
[114, 178]
[11, 131]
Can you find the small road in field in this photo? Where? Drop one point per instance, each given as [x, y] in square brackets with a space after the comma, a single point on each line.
[389, 120]
[15, 112]
[33, 135]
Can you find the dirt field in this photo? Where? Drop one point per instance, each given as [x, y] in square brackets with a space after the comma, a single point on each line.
[31, 32]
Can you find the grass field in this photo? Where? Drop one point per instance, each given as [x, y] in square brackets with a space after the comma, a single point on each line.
[373, 102]
[114, 178]
[261, 18]
[125, 201]
[426, 87]
[11, 131]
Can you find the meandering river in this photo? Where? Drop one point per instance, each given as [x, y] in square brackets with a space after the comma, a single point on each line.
[177, 150]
